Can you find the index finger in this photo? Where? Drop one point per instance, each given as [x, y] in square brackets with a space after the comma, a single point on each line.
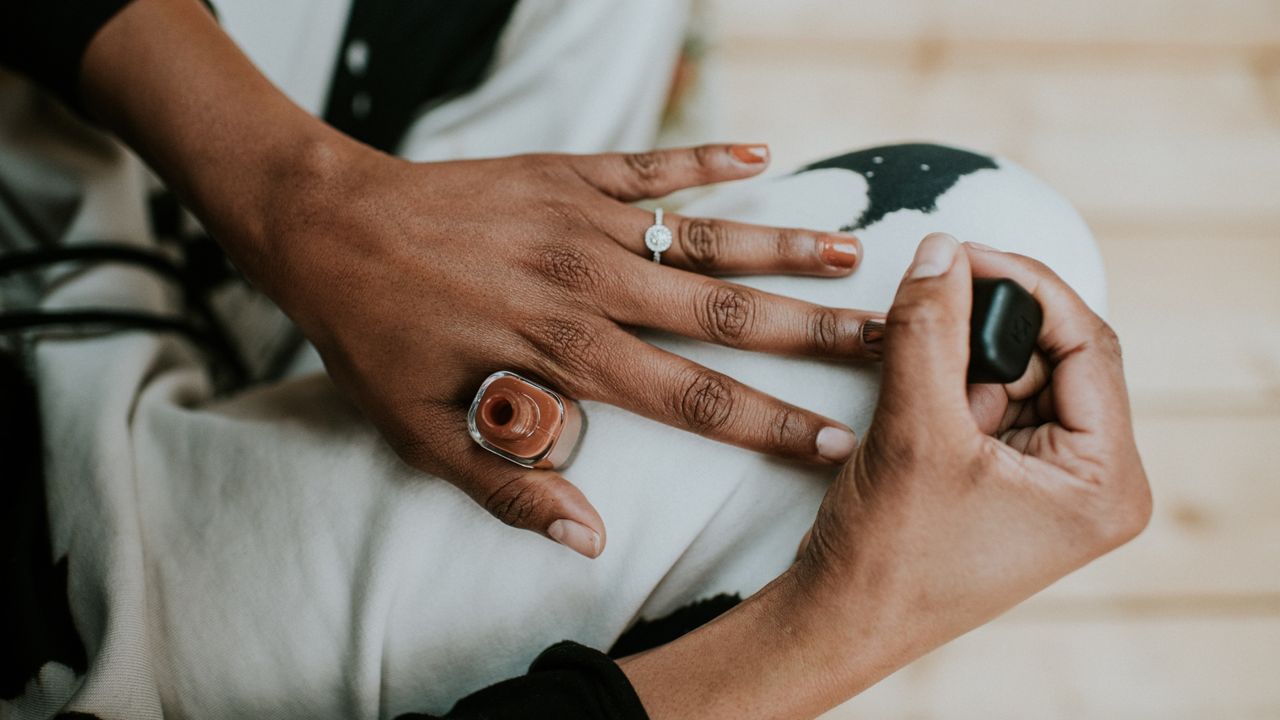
[1083, 351]
[655, 173]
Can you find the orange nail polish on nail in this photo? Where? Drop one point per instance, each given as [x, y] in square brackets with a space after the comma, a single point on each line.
[750, 154]
[840, 251]
[524, 422]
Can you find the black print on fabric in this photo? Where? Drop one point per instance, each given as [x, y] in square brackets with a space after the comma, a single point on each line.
[35, 615]
[905, 177]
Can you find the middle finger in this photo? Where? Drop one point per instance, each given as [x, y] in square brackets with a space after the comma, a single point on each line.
[737, 316]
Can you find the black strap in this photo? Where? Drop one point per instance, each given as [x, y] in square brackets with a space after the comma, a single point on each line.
[46, 39]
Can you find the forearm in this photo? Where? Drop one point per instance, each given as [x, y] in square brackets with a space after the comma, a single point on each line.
[789, 651]
[166, 79]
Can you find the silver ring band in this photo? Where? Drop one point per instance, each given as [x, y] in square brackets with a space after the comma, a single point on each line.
[658, 237]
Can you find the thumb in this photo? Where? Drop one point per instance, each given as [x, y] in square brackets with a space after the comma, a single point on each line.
[927, 335]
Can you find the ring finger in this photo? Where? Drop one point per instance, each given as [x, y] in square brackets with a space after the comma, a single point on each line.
[721, 247]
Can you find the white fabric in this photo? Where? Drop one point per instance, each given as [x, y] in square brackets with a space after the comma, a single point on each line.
[267, 555]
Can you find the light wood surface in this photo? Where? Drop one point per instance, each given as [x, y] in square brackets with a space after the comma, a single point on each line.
[1160, 119]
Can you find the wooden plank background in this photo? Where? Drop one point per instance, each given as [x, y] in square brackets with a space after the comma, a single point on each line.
[1160, 119]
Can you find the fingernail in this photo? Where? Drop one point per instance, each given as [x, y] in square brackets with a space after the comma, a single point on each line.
[575, 536]
[872, 335]
[750, 154]
[934, 256]
[836, 444]
[980, 246]
[840, 250]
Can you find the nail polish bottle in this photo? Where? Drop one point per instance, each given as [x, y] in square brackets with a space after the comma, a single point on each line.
[524, 422]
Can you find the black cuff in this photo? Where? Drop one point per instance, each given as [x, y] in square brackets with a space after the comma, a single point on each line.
[567, 681]
[46, 39]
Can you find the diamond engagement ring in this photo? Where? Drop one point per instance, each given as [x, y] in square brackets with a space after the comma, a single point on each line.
[658, 237]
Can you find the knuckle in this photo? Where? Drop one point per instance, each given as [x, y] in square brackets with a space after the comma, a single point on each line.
[568, 267]
[789, 432]
[824, 331]
[703, 242]
[706, 402]
[705, 156]
[571, 341]
[515, 502]
[1125, 518]
[727, 314]
[792, 244]
[644, 166]
[1109, 341]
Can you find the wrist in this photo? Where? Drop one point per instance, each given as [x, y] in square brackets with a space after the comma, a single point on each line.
[279, 198]
[164, 77]
[794, 649]
[853, 626]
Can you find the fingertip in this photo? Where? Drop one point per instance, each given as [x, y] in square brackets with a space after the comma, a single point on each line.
[871, 336]
[576, 524]
[583, 540]
[840, 252]
[753, 156]
[836, 444]
[935, 256]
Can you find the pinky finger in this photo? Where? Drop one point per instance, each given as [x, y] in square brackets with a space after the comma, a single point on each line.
[542, 501]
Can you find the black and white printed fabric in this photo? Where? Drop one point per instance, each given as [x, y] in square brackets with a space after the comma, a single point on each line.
[267, 555]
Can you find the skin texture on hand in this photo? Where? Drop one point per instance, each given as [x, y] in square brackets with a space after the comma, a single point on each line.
[960, 503]
[416, 281]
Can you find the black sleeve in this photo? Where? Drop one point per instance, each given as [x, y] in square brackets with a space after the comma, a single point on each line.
[45, 39]
[566, 682]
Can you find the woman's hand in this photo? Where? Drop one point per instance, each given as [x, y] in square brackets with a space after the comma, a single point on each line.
[976, 498]
[960, 503]
[416, 281]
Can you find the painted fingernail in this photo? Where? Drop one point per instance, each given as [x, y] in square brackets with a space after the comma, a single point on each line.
[750, 154]
[575, 536]
[980, 246]
[836, 444]
[872, 335]
[934, 257]
[840, 250]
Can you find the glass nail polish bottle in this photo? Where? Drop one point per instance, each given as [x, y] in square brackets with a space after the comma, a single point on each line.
[524, 422]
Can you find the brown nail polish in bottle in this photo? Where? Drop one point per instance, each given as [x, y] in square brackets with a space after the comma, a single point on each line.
[524, 422]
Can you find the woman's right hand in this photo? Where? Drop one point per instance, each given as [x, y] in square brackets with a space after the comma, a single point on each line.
[417, 280]
[961, 502]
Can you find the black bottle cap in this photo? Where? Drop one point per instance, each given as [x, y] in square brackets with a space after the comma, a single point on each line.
[1003, 330]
